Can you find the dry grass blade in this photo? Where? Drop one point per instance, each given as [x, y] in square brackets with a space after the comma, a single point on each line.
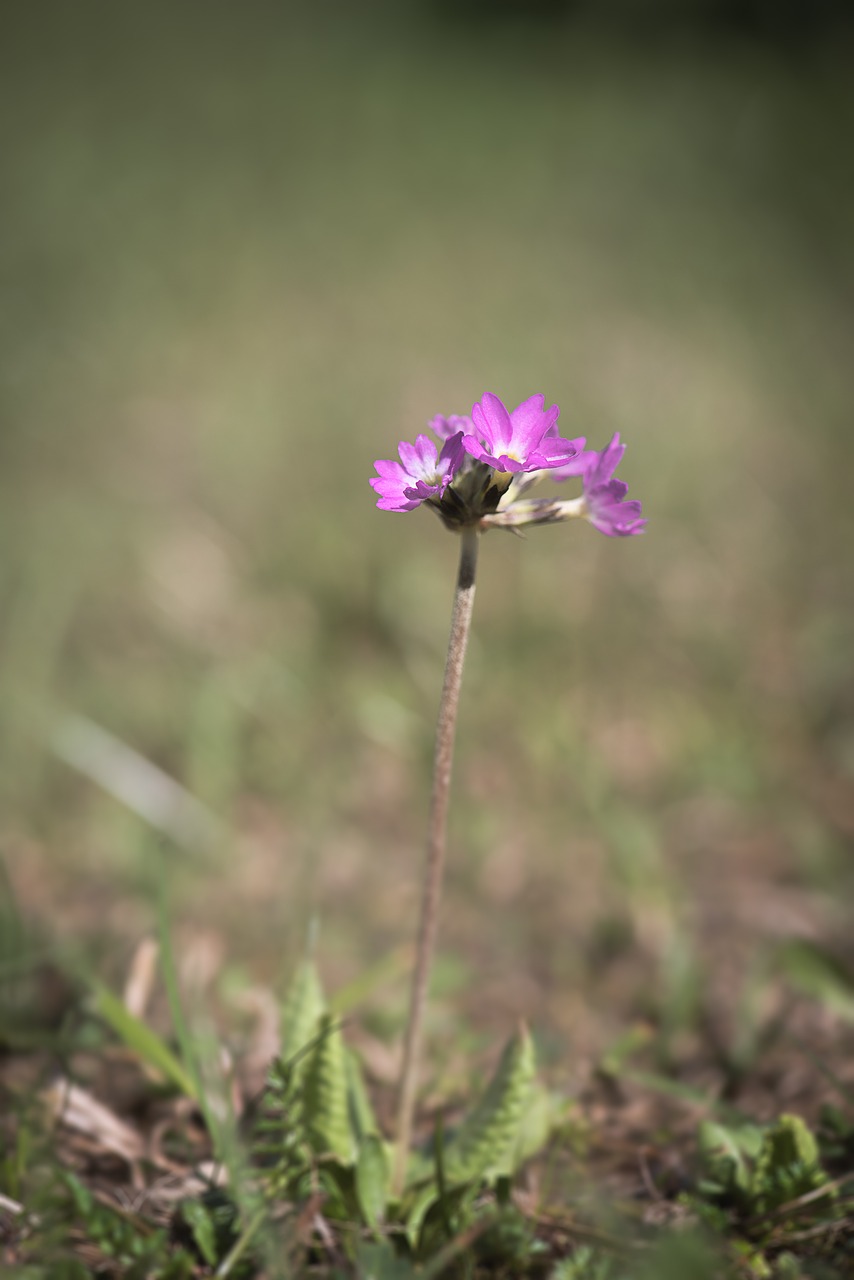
[140, 980]
[126, 775]
[831, 1230]
[10, 1206]
[804, 1201]
[174, 1187]
[567, 1224]
[73, 1107]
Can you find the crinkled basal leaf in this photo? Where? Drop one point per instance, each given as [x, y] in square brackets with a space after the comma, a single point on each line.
[543, 1112]
[788, 1165]
[326, 1113]
[373, 1172]
[485, 1138]
[304, 1006]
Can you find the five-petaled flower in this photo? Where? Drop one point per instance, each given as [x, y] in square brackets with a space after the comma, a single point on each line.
[419, 475]
[519, 440]
[490, 460]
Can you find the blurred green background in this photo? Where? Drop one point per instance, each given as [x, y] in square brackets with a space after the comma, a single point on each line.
[245, 250]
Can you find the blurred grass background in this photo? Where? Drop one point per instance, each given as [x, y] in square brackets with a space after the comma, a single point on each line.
[245, 250]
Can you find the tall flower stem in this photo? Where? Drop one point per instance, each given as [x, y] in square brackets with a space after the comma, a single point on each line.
[436, 842]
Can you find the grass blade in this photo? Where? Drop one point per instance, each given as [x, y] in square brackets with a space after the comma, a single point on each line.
[140, 1038]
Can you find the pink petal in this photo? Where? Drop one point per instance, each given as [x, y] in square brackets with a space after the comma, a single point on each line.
[492, 420]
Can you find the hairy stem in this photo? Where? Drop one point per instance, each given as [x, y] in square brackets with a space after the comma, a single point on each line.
[436, 841]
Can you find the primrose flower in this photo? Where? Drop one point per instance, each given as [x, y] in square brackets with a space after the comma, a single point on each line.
[488, 464]
[519, 440]
[480, 480]
[419, 475]
[605, 498]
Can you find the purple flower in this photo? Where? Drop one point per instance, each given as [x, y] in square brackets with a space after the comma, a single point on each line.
[490, 461]
[444, 427]
[604, 500]
[420, 474]
[520, 440]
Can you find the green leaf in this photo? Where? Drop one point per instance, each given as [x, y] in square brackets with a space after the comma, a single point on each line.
[543, 1113]
[197, 1218]
[486, 1138]
[362, 1118]
[141, 1039]
[722, 1157]
[380, 1262]
[441, 1180]
[423, 1202]
[585, 1264]
[752, 1261]
[303, 1009]
[788, 1165]
[372, 1179]
[816, 973]
[325, 1095]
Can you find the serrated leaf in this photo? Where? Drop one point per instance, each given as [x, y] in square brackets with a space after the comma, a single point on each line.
[788, 1165]
[373, 1172]
[542, 1114]
[485, 1138]
[304, 1006]
[326, 1112]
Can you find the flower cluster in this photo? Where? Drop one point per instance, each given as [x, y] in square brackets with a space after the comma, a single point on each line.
[489, 461]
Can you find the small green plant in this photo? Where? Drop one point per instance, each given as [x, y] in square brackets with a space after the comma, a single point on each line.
[124, 1239]
[210, 1227]
[759, 1170]
[317, 1129]
[788, 1166]
[763, 1187]
[586, 1263]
